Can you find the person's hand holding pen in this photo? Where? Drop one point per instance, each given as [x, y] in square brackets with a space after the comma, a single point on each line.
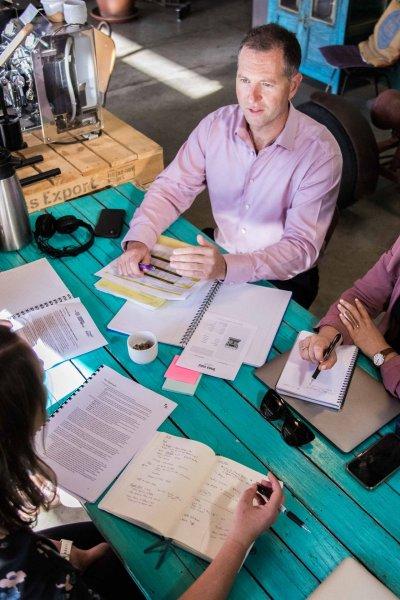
[314, 347]
[251, 520]
[128, 262]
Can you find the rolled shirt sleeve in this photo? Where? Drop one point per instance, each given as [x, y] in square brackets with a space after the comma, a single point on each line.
[374, 290]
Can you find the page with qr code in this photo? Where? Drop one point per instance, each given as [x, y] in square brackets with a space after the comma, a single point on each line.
[218, 346]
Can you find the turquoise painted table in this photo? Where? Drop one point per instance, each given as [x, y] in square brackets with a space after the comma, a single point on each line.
[286, 563]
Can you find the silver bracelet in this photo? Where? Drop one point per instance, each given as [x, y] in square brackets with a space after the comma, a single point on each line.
[65, 550]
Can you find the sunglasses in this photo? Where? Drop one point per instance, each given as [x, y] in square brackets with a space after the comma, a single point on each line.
[294, 432]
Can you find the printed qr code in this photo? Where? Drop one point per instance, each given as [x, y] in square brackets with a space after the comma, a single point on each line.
[232, 343]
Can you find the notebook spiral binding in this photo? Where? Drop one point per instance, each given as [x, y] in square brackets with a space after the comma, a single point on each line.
[346, 383]
[204, 306]
[76, 392]
[46, 304]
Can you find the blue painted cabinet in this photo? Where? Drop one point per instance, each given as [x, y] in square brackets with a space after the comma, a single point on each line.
[319, 23]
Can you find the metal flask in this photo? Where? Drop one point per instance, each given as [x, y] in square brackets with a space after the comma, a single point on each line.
[15, 231]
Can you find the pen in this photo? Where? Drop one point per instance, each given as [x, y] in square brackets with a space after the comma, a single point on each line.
[327, 354]
[145, 267]
[266, 492]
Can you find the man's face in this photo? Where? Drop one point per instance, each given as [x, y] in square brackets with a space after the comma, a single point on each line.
[262, 87]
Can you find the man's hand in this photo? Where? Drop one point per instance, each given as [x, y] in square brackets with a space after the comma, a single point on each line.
[361, 327]
[82, 559]
[312, 348]
[204, 261]
[128, 263]
[250, 521]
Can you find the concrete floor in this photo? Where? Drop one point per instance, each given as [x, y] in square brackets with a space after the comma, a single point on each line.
[142, 93]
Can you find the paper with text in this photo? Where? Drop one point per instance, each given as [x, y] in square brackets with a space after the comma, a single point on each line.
[99, 429]
[180, 489]
[59, 332]
[218, 346]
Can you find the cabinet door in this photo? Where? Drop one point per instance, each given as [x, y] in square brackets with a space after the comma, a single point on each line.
[324, 25]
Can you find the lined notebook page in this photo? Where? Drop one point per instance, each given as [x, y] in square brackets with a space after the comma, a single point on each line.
[330, 387]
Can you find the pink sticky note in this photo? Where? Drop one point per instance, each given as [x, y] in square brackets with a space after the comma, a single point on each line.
[180, 373]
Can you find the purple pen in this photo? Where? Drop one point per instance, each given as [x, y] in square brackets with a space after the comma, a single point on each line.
[145, 267]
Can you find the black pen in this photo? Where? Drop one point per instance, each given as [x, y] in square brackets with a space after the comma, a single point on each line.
[266, 492]
[327, 354]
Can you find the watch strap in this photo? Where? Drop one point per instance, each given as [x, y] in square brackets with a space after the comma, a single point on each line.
[65, 549]
[386, 351]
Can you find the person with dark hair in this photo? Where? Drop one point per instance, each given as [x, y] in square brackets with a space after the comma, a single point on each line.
[43, 566]
[273, 176]
[353, 314]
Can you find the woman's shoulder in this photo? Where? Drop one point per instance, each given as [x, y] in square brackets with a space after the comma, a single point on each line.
[31, 567]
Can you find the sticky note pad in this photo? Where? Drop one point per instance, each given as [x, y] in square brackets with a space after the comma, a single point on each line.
[179, 386]
[180, 373]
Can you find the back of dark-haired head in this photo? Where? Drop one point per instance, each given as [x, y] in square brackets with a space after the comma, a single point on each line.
[271, 36]
[22, 403]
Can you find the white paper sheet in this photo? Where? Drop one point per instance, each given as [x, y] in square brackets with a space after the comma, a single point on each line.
[218, 346]
[59, 332]
[94, 435]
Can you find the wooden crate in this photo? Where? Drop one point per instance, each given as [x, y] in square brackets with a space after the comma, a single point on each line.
[120, 154]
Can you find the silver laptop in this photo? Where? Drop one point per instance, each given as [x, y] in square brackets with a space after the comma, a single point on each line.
[351, 581]
[366, 409]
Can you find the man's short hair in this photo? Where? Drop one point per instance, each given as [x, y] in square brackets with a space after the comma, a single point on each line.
[271, 36]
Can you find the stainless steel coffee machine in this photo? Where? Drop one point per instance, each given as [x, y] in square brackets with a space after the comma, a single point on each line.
[65, 75]
[53, 79]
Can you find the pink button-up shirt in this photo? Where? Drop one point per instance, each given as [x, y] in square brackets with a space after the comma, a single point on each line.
[272, 209]
[379, 289]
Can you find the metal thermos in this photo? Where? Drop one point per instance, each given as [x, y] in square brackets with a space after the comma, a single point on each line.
[15, 231]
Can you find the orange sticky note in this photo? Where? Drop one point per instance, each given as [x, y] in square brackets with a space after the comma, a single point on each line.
[180, 373]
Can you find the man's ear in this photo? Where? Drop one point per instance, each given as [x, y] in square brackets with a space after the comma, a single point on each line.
[295, 82]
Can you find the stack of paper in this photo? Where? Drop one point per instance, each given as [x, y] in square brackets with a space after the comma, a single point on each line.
[179, 379]
[154, 287]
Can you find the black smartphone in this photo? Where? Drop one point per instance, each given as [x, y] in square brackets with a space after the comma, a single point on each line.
[375, 464]
[109, 223]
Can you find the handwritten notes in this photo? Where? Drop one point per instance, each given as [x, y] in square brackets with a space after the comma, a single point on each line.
[180, 489]
[209, 517]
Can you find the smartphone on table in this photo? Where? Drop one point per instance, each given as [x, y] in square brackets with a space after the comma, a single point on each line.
[110, 223]
[378, 462]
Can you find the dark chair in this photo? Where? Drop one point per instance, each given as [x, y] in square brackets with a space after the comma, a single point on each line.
[356, 140]
[349, 60]
[182, 8]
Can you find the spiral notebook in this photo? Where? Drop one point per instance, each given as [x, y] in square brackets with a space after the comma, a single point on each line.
[30, 287]
[329, 388]
[94, 434]
[175, 322]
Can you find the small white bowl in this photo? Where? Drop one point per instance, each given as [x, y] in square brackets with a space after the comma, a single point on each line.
[142, 357]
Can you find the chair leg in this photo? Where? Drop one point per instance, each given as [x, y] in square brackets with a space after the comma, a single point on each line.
[345, 78]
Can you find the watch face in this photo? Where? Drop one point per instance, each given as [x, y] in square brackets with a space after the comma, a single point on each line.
[378, 359]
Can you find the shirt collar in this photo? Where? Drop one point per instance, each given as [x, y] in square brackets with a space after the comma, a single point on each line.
[287, 136]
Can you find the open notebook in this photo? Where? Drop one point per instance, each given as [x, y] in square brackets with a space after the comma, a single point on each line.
[175, 322]
[330, 387]
[181, 490]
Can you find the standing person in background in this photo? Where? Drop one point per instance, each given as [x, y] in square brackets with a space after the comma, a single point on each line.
[272, 175]
[353, 316]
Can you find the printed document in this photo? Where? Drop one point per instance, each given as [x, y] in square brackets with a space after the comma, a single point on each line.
[59, 332]
[218, 346]
[91, 438]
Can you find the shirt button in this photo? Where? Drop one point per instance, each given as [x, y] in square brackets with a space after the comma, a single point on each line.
[247, 206]
[243, 230]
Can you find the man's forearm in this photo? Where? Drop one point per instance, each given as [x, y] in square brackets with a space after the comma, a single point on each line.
[216, 581]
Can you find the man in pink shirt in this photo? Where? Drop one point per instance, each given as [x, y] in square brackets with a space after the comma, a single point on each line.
[272, 173]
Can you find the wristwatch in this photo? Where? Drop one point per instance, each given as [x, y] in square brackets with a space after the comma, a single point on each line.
[379, 358]
[65, 550]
